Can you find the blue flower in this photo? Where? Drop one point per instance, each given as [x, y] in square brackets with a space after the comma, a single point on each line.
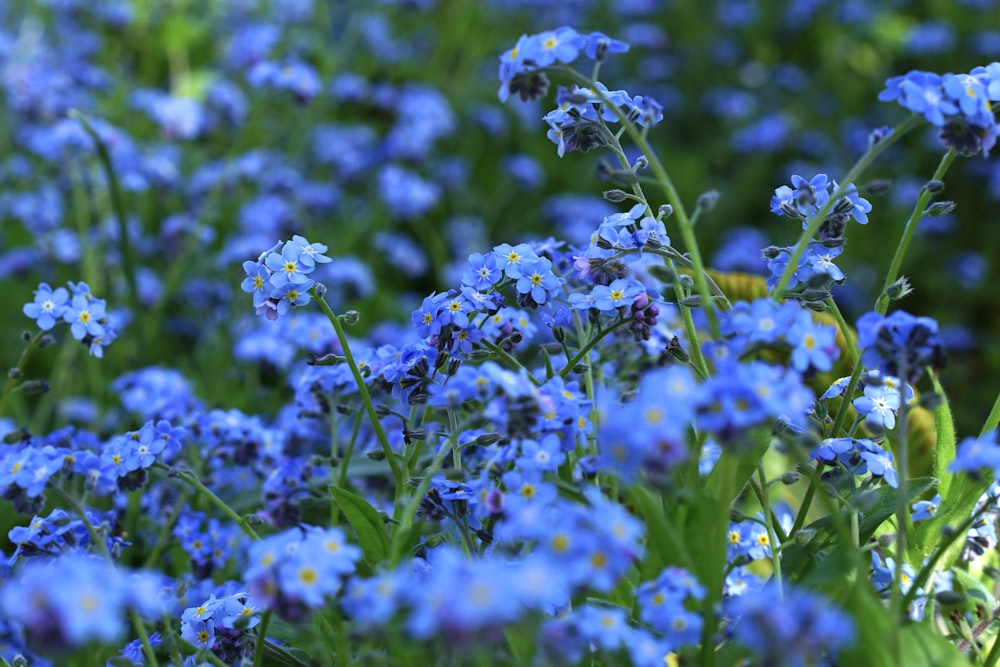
[483, 271]
[85, 315]
[47, 307]
[900, 342]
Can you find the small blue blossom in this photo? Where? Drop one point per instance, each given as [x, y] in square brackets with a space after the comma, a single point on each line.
[48, 306]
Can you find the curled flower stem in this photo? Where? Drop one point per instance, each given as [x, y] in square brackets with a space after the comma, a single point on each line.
[865, 161]
[390, 455]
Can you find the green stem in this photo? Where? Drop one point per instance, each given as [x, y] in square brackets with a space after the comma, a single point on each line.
[902, 503]
[765, 502]
[511, 361]
[855, 172]
[140, 630]
[344, 465]
[911, 226]
[21, 361]
[168, 525]
[192, 479]
[673, 198]
[359, 380]
[845, 330]
[589, 345]
[807, 499]
[117, 206]
[258, 649]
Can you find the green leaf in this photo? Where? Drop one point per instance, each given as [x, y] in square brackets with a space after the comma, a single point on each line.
[663, 543]
[944, 449]
[873, 628]
[799, 559]
[366, 522]
[923, 647]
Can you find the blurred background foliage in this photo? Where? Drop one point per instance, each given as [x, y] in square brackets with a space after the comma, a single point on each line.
[374, 127]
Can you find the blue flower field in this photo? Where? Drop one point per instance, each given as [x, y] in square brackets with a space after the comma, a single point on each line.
[513, 332]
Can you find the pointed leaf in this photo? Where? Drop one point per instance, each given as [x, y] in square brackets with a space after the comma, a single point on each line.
[366, 522]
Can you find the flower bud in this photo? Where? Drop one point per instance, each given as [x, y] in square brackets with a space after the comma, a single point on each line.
[34, 387]
[350, 318]
[939, 208]
[879, 186]
[934, 187]
[664, 212]
[899, 289]
[886, 540]
[15, 373]
[707, 200]
[615, 195]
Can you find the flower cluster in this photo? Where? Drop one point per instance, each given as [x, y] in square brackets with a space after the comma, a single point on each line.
[69, 601]
[803, 201]
[299, 569]
[82, 311]
[279, 279]
[900, 345]
[222, 626]
[794, 627]
[958, 104]
[520, 66]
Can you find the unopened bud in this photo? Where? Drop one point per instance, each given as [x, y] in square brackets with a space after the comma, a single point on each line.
[899, 289]
[676, 351]
[615, 195]
[934, 187]
[376, 455]
[350, 318]
[886, 540]
[879, 186]
[707, 200]
[664, 212]
[48, 340]
[789, 478]
[320, 290]
[640, 163]
[26, 336]
[939, 208]
[34, 387]
[15, 373]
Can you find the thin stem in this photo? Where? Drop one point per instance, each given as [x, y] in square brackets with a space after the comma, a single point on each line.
[21, 361]
[845, 330]
[192, 479]
[765, 502]
[117, 206]
[359, 380]
[673, 198]
[140, 630]
[866, 159]
[903, 500]
[258, 649]
[589, 345]
[911, 226]
[511, 361]
[814, 482]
